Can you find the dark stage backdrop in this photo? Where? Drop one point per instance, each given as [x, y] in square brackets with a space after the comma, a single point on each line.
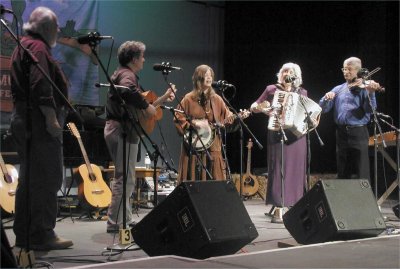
[319, 36]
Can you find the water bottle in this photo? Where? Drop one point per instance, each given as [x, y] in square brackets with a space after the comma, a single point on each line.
[147, 161]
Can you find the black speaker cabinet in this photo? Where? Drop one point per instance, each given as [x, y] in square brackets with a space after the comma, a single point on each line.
[335, 209]
[198, 219]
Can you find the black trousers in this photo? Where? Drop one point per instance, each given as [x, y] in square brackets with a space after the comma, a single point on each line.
[45, 163]
[352, 152]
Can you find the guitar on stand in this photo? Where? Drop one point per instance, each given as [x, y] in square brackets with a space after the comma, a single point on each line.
[250, 183]
[93, 192]
[8, 186]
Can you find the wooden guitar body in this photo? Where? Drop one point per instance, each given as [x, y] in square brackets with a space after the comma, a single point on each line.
[249, 185]
[148, 124]
[8, 187]
[92, 189]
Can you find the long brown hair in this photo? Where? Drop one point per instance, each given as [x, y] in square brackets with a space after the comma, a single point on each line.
[198, 82]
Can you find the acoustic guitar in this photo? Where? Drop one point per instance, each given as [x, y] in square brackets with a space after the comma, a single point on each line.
[8, 186]
[148, 124]
[92, 190]
[250, 183]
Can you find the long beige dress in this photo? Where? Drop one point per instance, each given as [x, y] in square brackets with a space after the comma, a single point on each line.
[215, 111]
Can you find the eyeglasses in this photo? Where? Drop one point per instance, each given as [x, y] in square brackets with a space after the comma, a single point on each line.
[344, 69]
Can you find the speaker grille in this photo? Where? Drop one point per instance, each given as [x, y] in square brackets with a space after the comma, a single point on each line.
[335, 209]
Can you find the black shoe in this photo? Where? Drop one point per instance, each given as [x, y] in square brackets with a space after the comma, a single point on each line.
[112, 230]
[52, 244]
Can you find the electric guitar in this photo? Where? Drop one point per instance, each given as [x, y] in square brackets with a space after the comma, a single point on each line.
[250, 183]
[206, 131]
[8, 186]
[92, 190]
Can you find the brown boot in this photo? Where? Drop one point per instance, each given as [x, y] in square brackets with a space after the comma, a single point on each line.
[53, 243]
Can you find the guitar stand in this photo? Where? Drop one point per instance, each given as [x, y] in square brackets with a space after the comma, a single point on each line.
[93, 215]
[66, 196]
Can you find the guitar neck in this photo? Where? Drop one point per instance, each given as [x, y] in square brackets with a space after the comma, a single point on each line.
[85, 156]
[3, 166]
[248, 160]
[159, 101]
[233, 116]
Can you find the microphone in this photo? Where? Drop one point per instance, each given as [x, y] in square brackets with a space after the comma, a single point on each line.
[5, 10]
[165, 66]
[221, 84]
[290, 79]
[92, 37]
[363, 73]
[383, 115]
[172, 109]
[98, 85]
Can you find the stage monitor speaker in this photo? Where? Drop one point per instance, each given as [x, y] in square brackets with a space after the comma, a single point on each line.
[396, 210]
[335, 209]
[198, 219]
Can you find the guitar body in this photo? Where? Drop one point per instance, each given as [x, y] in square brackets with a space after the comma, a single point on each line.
[149, 123]
[93, 191]
[250, 185]
[8, 187]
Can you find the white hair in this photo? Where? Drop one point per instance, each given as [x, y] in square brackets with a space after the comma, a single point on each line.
[39, 22]
[353, 61]
[296, 70]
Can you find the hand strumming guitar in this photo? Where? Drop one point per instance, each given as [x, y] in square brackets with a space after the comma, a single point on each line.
[170, 93]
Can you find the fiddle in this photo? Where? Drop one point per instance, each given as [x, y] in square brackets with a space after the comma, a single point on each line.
[361, 81]
[362, 84]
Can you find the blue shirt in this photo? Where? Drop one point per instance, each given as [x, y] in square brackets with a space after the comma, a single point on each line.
[351, 107]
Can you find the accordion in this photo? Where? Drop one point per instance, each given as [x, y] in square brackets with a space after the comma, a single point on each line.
[289, 113]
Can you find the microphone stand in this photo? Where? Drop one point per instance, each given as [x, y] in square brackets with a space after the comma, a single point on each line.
[124, 231]
[228, 169]
[242, 124]
[164, 147]
[309, 126]
[283, 140]
[191, 130]
[376, 125]
[31, 59]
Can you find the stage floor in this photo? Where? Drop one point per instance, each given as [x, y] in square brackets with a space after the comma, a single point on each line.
[269, 250]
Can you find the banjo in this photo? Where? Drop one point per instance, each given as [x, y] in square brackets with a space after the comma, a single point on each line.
[206, 131]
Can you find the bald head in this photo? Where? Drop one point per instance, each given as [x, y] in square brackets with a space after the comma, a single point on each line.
[43, 21]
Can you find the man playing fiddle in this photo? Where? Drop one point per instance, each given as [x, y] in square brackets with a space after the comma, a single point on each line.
[352, 103]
